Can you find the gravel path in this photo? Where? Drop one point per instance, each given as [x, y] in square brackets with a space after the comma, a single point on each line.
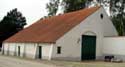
[16, 62]
[7, 61]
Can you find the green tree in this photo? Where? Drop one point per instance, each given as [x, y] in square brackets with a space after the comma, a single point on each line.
[14, 21]
[11, 24]
[118, 15]
[69, 5]
[73, 5]
[52, 7]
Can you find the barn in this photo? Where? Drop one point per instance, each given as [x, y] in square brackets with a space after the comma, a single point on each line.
[74, 36]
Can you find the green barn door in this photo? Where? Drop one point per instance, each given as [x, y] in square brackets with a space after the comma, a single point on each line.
[88, 50]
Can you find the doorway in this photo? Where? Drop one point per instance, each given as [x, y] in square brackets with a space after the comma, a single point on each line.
[18, 50]
[40, 52]
[88, 48]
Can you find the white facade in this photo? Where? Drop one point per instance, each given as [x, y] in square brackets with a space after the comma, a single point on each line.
[114, 46]
[28, 50]
[70, 43]
[93, 25]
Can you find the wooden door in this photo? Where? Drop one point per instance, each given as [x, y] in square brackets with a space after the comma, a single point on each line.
[88, 49]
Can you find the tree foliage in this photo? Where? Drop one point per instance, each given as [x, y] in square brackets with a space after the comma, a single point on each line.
[118, 15]
[52, 7]
[14, 21]
[73, 5]
[11, 24]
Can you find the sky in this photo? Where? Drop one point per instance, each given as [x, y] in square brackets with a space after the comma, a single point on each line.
[33, 10]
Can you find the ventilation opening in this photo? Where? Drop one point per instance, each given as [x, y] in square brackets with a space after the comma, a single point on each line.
[101, 16]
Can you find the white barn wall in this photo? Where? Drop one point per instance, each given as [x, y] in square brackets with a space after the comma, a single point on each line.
[12, 48]
[114, 46]
[71, 41]
[21, 49]
[5, 48]
[28, 50]
[46, 50]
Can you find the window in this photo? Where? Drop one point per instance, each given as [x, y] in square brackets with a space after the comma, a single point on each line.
[58, 50]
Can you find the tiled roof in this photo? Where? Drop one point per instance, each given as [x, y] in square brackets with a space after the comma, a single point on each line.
[51, 29]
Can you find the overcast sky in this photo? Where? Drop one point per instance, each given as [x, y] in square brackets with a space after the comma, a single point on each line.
[33, 10]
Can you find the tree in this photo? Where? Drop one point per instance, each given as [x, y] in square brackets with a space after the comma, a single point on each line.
[52, 7]
[14, 21]
[119, 23]
[118, 15]
[11, 24]
[69, 5]
[73, 5]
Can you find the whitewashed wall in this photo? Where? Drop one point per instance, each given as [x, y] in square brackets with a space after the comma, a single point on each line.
[12, 49]
[28, 50]
[71, 41]
[114, 45]
[5, 48]
[46, 50]
[21, 49]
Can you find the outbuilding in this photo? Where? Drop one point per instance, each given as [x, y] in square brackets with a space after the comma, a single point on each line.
[72, 36]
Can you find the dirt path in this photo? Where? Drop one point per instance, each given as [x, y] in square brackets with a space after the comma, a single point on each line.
[16, 62]
[7, 61]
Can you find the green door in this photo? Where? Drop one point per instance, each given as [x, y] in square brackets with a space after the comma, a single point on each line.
[88, 49]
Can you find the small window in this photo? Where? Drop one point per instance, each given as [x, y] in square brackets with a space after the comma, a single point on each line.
[58, 50]
[101, 16]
